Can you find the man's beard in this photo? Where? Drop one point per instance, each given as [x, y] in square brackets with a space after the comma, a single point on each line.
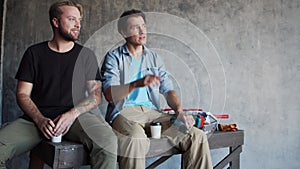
[67, 36]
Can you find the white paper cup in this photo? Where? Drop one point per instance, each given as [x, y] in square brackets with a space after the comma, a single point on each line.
[56, 139]
[155, 130]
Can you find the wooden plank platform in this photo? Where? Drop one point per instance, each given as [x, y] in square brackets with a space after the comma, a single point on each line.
[71, 155]
[231, 140]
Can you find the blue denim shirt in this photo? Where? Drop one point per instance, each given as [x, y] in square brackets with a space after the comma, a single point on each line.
[116, 69]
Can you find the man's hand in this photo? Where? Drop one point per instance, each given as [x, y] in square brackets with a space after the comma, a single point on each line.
[63, 123]
[148, 80]
[46, 126]
[188, 120]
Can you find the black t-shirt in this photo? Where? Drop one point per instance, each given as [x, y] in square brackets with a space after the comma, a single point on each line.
[59, 79]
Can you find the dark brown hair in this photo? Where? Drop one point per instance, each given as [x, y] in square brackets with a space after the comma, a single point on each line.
[122, 22]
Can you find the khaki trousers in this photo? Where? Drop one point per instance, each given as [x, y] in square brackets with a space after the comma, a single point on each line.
[21, 136]
[132, 127]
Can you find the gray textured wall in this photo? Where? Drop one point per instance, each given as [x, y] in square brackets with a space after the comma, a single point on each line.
[226, 56]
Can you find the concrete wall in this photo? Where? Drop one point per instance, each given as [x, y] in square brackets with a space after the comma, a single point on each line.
[1, 23]
[239, 57]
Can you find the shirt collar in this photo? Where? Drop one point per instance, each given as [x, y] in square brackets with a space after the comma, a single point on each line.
[125, 50]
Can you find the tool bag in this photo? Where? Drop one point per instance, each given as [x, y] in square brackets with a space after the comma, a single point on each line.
[203, 120]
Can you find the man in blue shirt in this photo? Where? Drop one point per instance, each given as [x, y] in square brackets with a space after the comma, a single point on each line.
[133, 77]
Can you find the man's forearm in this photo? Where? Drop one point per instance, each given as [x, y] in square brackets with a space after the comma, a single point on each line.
[92, 101]
[116, 93]
[28, 106]
[173, 101]
[86, 105]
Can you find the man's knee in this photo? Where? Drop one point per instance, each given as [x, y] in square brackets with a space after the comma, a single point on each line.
[137, 131]
[198, 134]
[133, 143]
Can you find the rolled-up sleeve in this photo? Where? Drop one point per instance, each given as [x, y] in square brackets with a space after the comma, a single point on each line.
[166, 83]
[110, 73]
